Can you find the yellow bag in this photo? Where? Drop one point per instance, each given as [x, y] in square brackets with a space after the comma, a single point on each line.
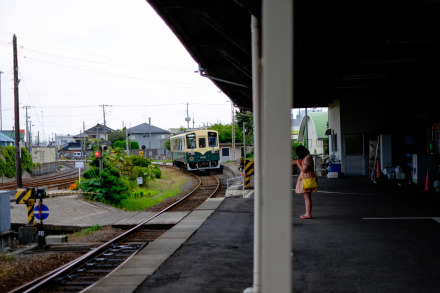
[310, 183]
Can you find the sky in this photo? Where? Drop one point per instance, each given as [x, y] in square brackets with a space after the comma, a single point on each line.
[80, 60]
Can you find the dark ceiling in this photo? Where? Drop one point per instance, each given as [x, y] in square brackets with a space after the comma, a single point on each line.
[342, 48]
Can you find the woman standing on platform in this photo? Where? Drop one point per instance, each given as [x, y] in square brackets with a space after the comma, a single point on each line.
[307, 167]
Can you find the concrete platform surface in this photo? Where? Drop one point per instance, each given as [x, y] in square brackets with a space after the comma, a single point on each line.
[363, 238]
[73, 211]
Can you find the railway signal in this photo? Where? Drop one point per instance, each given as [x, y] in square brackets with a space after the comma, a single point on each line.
[101, 149]
[28, 196]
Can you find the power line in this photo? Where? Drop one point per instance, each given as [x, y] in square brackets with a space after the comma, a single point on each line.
[170, 83]
[137, 64]
[105, 63]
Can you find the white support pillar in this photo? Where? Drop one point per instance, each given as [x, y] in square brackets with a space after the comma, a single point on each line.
[256, 101]
[276, 149]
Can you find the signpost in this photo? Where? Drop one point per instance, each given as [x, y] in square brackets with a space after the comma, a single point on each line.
[79, 165]
[41, 213]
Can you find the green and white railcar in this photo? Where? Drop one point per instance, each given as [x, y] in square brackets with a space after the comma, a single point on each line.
[196, 150]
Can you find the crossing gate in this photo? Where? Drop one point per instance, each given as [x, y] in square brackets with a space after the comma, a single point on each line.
[249, 171]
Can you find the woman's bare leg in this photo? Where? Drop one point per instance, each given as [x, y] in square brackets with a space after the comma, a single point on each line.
[308, 203]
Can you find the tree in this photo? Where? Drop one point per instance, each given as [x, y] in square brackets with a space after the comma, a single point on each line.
[246, 117]
[225, 132]
[116, 135]
[134, 145]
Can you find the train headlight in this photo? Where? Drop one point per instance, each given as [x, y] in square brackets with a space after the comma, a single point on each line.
[214, 152]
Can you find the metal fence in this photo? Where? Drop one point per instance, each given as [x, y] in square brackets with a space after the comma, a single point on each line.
[46, 168]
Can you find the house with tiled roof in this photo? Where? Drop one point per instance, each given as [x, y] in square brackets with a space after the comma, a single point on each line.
[98, 131]
[151, 139]
[315, 135]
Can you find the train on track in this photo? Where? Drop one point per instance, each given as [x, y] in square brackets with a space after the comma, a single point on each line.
[196, 150]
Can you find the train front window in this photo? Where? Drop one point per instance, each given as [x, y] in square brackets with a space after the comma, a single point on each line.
[191, 141]
[212, 138]
[202, 142]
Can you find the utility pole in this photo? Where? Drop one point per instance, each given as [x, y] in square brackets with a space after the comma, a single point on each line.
[42, 126]
[84, 144]
[193, 120]
[187, 119]
[244, 142]
[27, 129]
[126, 140]
[233, 132]
[307, 130]
[103, 111]
[1, 123]
[17, 117]
[149, 126]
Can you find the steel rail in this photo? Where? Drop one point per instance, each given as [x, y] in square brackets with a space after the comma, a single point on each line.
[43, 180]
[42, 282]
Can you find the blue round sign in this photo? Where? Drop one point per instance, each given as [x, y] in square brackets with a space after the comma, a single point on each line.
[44, 212]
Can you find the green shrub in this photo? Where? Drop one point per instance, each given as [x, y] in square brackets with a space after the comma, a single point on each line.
[134, 145]
[91, 173]
[157, 172]
[9, 156]
[26, 161]
[140, 161]
[137, 172]
[106, 188]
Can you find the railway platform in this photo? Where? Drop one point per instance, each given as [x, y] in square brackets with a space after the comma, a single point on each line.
[363, 237]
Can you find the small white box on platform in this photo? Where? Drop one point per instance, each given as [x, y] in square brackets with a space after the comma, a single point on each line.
[333, 175]
[56, 239]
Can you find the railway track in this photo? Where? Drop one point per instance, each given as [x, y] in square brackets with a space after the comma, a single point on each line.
[58, 180]
[94, 265]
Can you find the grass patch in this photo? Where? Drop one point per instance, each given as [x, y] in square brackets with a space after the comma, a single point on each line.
[4, 257]
[167, 186]
[89, 230]
[139, 204]
[163, 161]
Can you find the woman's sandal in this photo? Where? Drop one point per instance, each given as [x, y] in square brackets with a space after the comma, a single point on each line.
[305, 217]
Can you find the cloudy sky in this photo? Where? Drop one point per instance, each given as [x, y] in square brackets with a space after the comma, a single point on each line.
[76, 56]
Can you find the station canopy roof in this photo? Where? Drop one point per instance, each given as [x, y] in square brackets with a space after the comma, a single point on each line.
[341, 48]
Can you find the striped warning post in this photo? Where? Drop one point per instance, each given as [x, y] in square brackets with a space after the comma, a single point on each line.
[31, 217]
[249, 171]
[23, 195]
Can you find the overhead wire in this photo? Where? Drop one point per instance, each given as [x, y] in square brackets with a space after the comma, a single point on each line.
[105, 63]
[169, 83]
[27, 91]
[84, 52]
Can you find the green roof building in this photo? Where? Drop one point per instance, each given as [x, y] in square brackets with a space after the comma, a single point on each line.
[316, 128]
